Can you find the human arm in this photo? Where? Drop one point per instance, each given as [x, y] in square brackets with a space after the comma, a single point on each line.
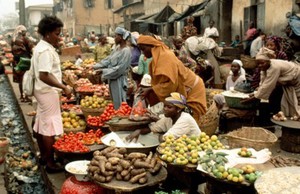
[50, 79]
[164, 86]
[135, 135]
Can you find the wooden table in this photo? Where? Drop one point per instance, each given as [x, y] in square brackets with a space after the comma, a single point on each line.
[126, 187]
[290, 138]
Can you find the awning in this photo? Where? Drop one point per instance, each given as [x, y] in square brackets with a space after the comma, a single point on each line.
[192, 9]
[144, 17]
[126, 6]
[164, 16]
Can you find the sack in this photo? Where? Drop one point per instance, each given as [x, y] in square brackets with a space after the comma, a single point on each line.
[28, 82]
[244, 87]
[23, 65]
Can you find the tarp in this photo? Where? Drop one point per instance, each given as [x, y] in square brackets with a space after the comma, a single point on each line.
[192, 9]
[294, 22]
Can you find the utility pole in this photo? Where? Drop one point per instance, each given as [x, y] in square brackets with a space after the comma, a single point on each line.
[22, 12]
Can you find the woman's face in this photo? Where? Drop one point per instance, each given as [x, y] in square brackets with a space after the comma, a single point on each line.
[178, 44]
[53, 37]
[271, 45]
[170, 110]
[263, 65]
[146, 49]
[118, 39]
[235, 68]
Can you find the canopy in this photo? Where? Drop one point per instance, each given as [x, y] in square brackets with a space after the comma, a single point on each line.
[192, 9]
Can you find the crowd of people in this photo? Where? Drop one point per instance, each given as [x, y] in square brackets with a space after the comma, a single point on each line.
[175, 74]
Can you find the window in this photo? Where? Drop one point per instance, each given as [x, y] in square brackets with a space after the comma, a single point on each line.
[89, 3]
[108, 4]
[126, 2]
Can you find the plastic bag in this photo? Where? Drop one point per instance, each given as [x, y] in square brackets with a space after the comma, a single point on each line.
[23, 65]
[244, 87]
[139, 110]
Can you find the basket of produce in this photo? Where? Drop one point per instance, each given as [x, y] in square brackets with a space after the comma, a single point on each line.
[72, 122]
[210, 121]
[248, 62]
[233, 100]
[91, 111]
[253, 137]
[93, 105]
[74, 130]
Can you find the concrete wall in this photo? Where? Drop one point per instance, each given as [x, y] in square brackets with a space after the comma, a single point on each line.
[237, 16]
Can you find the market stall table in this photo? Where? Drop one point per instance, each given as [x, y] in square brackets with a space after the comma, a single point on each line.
[127, 187]
[290, 138]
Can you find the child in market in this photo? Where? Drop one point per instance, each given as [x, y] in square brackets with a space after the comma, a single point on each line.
[78, 59]
[236, 42]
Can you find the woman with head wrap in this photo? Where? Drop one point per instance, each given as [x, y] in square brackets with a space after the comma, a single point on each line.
[175, 122]
[237, 74]
[170, 75]
[114, 68]
[21, 47]
[285, 73]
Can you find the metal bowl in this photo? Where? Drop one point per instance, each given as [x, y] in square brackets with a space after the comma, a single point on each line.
[145, 143]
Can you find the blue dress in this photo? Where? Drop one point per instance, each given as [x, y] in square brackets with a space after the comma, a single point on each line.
[115, 69]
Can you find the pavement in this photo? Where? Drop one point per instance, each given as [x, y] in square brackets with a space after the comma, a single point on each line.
[56, 180]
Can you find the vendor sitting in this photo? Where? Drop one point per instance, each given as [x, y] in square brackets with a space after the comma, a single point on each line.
[176, 122]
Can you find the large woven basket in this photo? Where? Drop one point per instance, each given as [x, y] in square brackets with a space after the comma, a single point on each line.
[91, 111]
[251, 137]
[211, 127]
[248, 62]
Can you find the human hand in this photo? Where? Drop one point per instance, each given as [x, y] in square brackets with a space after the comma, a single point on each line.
[67, 91]
[152, 116]
[98, 72]
[135, 135]
[145, 92]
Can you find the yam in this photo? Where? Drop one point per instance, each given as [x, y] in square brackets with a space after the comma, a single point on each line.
[99, 178]
[143, 180]
[156, 168]
[119, 168]
[107, 150]
[114, 160]
[153, 162]
[114, 154]
[96, 153]
[137, 177]
[110, 167]
[135, 171]
[94, 163]
[149, 157]
[118, 176]
[122, 151]
[108, 173]
[92, 169]
[127, 177]
[125, 164]
[141, 164]
[108, 178]
[136, 155]
[124, 173]
[101, 165]
[99, 158]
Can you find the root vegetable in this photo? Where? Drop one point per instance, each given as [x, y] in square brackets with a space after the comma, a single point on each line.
[94, 163]
[119, 168]
[92, 169]
[96, 153]
[101, 165]
[110, 167]
[153, 162]
[136, 155]
[127, 177]
[141, 164]
[143, 180]
[135, 171]
[100, 158]
[149, 157]
[107, 150]
[125, 164]
[156, 168]
[125, 173]
[122, 151]
[137, 177]
[99, 178]
[108, 173]
[108, 178]
[114, 154]
[119, 177]
[114, 160]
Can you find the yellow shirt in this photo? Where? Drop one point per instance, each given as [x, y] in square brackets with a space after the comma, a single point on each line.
[101, 52]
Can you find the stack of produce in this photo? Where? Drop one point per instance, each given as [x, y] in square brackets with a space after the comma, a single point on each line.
[71, 120]
[82, 82]
[78, 142]
[116, 163]
[185, 149]
[94, 102]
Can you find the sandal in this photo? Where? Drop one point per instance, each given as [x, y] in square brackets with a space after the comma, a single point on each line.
[32, 113]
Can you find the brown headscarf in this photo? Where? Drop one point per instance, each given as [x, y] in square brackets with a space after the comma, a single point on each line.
[265, 54]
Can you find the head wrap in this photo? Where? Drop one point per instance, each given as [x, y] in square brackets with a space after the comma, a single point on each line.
[17, 31]
[125, 34]
[265, 54]
[177, 99]
[146, 80]
[240, 63]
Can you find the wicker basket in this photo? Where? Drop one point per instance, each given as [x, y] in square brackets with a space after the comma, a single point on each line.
[250, 137]
[211, 127]
[248, 62]
[91, 111]
[74, 130]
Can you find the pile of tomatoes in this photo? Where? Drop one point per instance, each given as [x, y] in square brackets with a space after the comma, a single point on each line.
[78, 142]
[67, 106]
[108, 113]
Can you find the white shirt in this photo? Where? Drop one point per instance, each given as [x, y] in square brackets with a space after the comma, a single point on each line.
[185, 124]
[211, 32]
[255, 46]
[78, 62]
[45, 59]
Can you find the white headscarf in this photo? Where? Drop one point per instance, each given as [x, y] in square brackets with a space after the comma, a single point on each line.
[240, 63]
[17, 31]
[125, 34]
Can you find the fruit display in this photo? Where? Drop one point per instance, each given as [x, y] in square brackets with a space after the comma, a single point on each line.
[71, 120]
[102, 90]
[184, 150]
[94, 121]
[66, 106]
[64, 99]
[78, 142]
[76, 109]
[87, 63]
[115, 163]
[82, 82]
[279, 116]
[138, 112]
[244, 152]
[94, 102]
[213, 162]
[250, 173]
[67, 64]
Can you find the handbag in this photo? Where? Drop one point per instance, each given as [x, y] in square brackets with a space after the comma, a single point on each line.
[28, 82]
